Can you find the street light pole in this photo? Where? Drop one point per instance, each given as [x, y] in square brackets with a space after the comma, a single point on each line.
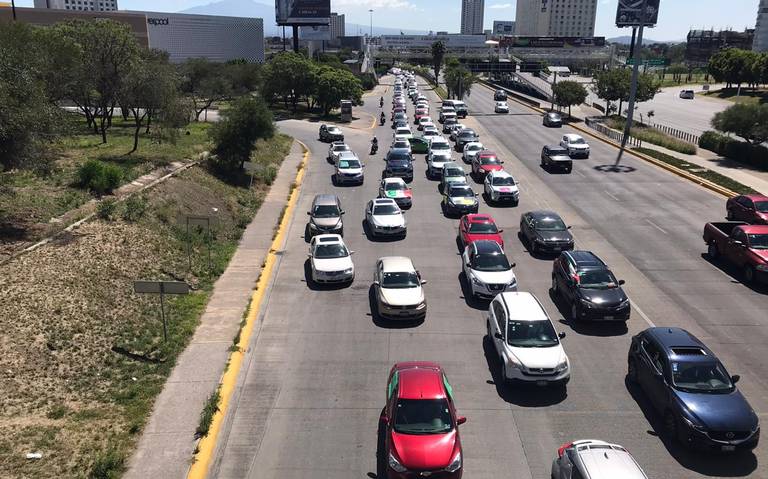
[13, 8]
[371, 32]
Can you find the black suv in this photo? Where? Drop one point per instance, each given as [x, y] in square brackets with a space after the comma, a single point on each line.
[500, 95]
[691, 389]
[545, 232]
[331, 133]
[585, 282]
[399, 164]
[556, 157]
[467, 135]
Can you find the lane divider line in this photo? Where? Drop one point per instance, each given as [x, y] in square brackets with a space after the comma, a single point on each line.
[709, 185]
[207, 444]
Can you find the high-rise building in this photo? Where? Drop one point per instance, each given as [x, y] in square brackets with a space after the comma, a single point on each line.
[337, 26]
[503, 27]
[472, 12]
[761, 28]
[560, 18]
[82, 5]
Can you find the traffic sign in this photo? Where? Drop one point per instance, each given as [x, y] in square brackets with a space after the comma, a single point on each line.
[654, 62]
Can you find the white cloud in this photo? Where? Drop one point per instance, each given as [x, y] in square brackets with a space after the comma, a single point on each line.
[500, 5]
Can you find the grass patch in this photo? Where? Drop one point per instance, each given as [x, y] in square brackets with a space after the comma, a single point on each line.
[206, 415]
[747, 95]
[441, 92]
[653, 136]
[696, 170]
[671, 80]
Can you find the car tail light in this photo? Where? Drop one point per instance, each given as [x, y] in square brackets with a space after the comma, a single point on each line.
[576, 278]
[408, 193]
[562, 449]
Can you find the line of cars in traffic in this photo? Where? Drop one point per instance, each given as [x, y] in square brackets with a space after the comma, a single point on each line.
[683, 379]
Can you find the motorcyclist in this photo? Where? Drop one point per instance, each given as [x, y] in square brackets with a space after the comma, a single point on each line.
[374, 145]
[381, 102]
[382, 118]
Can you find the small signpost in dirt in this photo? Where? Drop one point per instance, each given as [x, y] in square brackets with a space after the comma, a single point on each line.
[162, 288]
[204, 223]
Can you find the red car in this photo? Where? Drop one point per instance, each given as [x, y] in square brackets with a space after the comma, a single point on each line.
[479, 227]
[484, 162]
[421, 425]
[420, 113]
[750, 208]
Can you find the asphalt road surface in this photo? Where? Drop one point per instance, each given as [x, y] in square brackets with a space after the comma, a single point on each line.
[309, 397]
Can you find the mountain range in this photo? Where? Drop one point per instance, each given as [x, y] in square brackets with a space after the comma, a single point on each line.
[249, 8]
[627, 39]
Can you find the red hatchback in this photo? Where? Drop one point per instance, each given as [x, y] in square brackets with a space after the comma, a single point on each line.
[484, 162]
[479, 227]
[422, 434]
[750, 208]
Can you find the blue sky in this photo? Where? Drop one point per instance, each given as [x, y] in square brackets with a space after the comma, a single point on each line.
[676, 17]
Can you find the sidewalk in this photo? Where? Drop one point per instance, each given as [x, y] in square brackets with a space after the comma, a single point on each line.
[744, 174]
[167, 443]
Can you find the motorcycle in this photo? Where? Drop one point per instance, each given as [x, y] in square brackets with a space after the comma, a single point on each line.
[381, 103]
[382, 119]
[374, 148]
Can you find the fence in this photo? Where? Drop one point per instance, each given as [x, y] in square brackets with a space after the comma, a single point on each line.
[679, 134]
[611, 133]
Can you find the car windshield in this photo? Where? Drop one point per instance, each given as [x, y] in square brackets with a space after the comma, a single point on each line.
[553, 116]
[531, 334]
[761, 206]
[474, 147]
[325, 211]
[462, 192]
[401, 144]
[483, 228]
[395, 156]
[386, 210]
[503, 181]
[598, 279]
[333, 129]
[441, 146]
[489, 160]
[403, 131]
[550, 224]
[700, 377]
[491, 262]
[400, 280]
[758, 241]
[340, 148]
[336, 250]
[577, 141]
[349, 164]
[422, 416]
[430, 132]
[454, 172]
[466, 132]
[557, 152]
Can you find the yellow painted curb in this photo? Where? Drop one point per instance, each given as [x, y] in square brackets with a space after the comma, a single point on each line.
[714, 187]
[207, 445]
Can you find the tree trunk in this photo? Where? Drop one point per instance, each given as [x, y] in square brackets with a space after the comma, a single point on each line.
[103, 128]
[137, 122]
[149, 121]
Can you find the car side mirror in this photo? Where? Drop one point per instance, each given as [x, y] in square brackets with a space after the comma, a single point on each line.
[501, 231]
[309, 255]
[561, 334]
[342, 212]
[375, 283]
[735, 378]
[351, 253]
[502, 162]
[568, 227]
[497, 336]
[513, 265]
[309, 213]
[460, 420]
[423, 282]
[622, 282]
[384, 419]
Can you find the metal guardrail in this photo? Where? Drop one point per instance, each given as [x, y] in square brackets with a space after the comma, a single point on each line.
[611, 133]
[679, 134]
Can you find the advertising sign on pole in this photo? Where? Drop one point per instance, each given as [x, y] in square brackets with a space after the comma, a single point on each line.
[317, 32]
[628, 13]
[303, 12]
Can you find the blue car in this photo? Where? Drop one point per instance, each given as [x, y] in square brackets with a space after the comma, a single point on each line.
[697, 398]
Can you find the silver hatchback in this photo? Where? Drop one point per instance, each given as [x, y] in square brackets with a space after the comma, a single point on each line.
[325, 216]
[594, 459]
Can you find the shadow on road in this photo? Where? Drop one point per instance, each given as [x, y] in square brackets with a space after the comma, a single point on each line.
[379, 239]
[321, 286]
[734, 273]
[587, 328]
[466, 295]
[739, 464]
[520, 394]
[614, 168]
[386, 323]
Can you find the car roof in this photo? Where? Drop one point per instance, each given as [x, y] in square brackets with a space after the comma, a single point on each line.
[501, 173]
[325, 199]
[384, 201]
[396, 263]
[756, 197]
[556, 148]
[755, 229]
[573, 136]
[467, 131]
[586, 260]
[607, 461]
[523, 306]
[393, 180]
[420, 381]
[487, 153]
[487, 247]
[670, 338]
[328, 239]
[452, 164]
[479, 218]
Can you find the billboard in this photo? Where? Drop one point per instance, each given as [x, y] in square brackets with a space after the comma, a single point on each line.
[317, 32]
[628, 13]
[551, 42]
[303, 12]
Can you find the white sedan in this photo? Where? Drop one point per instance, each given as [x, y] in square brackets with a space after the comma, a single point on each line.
[385, 218]
[330, 260]
[501, 186]
[470, 150]
[501, 107]
[487, 270]
[576, 145]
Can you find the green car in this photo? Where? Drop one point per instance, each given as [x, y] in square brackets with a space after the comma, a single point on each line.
[419, 145]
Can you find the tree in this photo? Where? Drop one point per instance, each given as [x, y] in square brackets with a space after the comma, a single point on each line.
[288, 75]
[745, 120]
[332, 85]
[234, 138]
[438, 53]
[205, 83]
[611, 85]
[458, 81]
[734, 66]
[568, 93]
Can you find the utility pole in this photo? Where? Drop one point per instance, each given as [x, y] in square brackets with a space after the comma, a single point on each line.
[13, 8]
[370, 37]
[633, 86]
[295, 38]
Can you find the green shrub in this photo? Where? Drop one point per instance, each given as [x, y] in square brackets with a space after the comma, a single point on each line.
[106, 209]
[99, 177]
[206, 415]
[368, 81]
[134, 208]
[740, 151]
[108, 465]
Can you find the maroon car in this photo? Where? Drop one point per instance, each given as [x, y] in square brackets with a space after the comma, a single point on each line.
[485, 162]
[750, 208]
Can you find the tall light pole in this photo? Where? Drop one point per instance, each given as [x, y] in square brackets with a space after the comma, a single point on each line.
[13, 8]
[370, 37]
[633, 85]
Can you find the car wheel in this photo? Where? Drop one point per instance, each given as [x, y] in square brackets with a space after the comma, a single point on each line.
[632, 371]
[749, 274]
[712, 251]
[670, 425]
[534, 249]
[567, 170]
[574, 312]
[554, 285]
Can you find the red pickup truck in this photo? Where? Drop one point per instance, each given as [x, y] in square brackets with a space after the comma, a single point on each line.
[743, 244]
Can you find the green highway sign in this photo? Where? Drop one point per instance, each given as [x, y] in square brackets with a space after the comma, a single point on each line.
[652, 62]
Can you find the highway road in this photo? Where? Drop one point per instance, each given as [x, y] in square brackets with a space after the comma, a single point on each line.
[309, 397]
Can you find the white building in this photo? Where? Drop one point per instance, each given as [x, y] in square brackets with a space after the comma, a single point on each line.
[472, 12]
[503, 27]
[760, 43]
[556, 18]
[337, 26]
[217, 38]
[82, 5]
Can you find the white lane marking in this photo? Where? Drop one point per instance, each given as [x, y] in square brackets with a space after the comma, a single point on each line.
[611, 195]
[643, 315]
[656, 226]
[580, 173]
